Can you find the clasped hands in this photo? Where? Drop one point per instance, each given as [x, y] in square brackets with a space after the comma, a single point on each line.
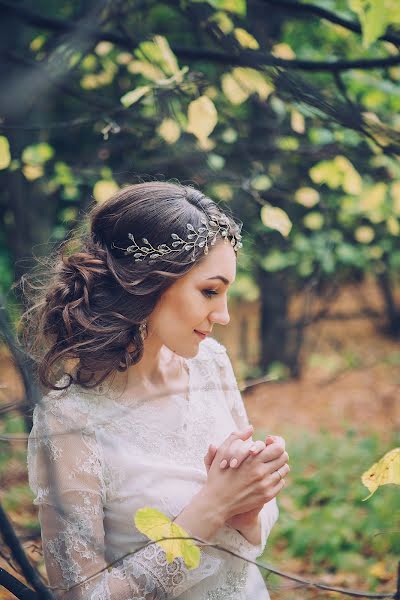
[254, 472]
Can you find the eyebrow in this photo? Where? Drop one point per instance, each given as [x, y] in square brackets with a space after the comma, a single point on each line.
[222, 278]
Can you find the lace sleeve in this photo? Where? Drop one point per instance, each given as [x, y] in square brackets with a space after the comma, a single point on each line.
[269, 514]
[66, 476]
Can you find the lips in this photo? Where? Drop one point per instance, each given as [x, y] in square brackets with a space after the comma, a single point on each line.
[201, 334]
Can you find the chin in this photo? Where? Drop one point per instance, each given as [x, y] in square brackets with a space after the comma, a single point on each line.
[186, 352]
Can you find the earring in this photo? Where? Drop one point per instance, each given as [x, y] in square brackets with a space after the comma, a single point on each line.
[143, 330]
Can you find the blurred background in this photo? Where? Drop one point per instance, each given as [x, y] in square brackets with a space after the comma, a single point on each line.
[287, 113]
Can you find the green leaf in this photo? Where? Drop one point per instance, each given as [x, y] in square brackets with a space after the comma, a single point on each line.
[375, 16]
[238, 7]
[5, 156]
[156, 526]
[37, 154]
[314, 220]
[277, 261]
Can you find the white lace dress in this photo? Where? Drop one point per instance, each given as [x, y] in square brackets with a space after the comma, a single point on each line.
[95, 460]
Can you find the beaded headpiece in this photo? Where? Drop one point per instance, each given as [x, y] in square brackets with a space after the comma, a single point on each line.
[203, 237]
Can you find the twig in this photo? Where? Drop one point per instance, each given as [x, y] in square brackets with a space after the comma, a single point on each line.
[17, 552]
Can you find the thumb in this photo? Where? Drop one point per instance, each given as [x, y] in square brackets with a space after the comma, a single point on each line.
[209, 457]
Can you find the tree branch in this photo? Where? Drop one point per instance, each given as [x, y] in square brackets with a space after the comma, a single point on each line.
[246, 58]
[318, 11]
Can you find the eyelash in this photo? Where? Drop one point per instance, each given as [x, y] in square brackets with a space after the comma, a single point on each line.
[209, 293]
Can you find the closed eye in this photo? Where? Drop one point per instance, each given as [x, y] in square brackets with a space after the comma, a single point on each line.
[210, 293]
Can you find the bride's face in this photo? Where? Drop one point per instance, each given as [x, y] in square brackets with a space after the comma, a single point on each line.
[195, 303]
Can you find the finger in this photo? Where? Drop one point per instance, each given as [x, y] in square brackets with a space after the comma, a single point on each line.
[273, 465]
[209, 457]
[272, 452]
[277, 488]
[281, 472]
[276, 439]
[234, 454]
[240, 451]
[257, 447]
[243, 434]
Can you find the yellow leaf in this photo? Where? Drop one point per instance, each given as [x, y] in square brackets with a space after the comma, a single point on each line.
[276, 218]
[169, 130]
[223, 21]
[233, 90]
[37, 154]
[307, 196]
[32, 172]
[103, 48]
[169, 57]
[297, 122]
[364, 234]
[5, 156]
[135, 95]
[375, 252]
[283, 51]
[373, 199]
[103, 190]
[314, 221]
[223, 191]
[234, 6]
[326, 172]
[352, 182]
[156, 526]
[395, 193]
[146, 69]
[124, 58]
[392, 225]
[245, 39]
[253, 81]
[380, 571]
[37, 43]
[202, 118]
[385, 471]
[261, 183]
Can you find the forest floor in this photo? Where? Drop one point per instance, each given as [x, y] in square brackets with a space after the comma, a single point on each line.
[350, 382]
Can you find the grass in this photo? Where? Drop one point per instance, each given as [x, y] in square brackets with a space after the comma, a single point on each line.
[325, 527]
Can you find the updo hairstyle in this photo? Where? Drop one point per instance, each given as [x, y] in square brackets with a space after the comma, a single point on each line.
[96, 296]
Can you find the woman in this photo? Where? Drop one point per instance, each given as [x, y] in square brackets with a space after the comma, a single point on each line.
[147, 412]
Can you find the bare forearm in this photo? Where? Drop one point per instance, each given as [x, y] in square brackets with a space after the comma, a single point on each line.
[252, 531]
[201, 518]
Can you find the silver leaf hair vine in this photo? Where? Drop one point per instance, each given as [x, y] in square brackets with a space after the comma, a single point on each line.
[203, 237]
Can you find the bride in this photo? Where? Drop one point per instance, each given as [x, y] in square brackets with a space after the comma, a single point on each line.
[144, 409]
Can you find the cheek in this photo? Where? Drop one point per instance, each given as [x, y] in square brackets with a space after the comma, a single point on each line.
[189, 307]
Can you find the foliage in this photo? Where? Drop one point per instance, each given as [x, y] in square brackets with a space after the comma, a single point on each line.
[158, 527]
[308, 162]
[323, 518]
[384, 472]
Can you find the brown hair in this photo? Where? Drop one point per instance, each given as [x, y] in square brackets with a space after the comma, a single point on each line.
[96, 296]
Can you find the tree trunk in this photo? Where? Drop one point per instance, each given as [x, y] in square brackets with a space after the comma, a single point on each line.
[392, 312]
[274, 297]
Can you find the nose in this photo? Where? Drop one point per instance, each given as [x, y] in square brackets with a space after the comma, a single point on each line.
[221, 316]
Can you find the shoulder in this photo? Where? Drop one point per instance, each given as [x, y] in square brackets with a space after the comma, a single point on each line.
[63, 410]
